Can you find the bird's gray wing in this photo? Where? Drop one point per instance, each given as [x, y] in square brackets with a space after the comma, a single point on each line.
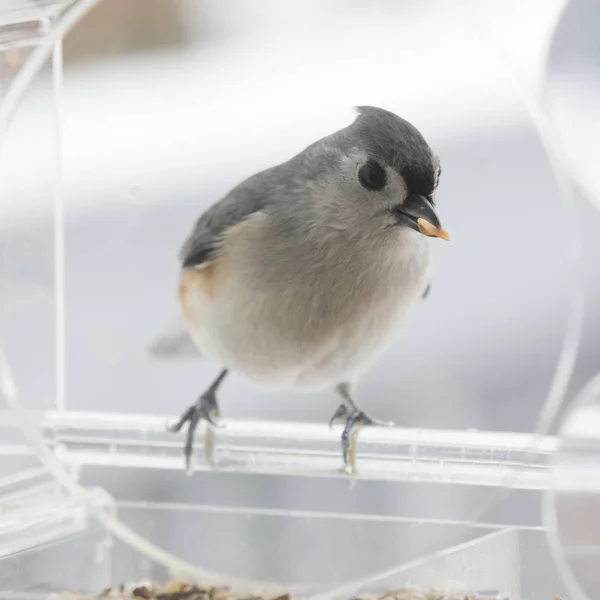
[275, 184]
[248, 198]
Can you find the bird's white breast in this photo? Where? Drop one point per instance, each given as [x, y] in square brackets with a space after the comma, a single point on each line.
[307, 328]
[360, 341]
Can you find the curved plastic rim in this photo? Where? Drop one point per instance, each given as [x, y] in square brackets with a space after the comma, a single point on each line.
[549, 515]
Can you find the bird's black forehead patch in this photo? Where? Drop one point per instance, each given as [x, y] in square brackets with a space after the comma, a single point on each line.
[419, 180]
[399, 144]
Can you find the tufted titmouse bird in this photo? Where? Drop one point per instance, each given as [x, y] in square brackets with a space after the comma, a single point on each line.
[298, 278]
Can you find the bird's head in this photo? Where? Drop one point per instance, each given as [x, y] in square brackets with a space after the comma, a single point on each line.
[385, 175]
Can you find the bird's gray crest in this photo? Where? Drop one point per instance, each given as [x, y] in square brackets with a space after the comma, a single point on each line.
[397, 143]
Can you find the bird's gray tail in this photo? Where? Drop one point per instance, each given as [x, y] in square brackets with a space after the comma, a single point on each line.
[174, 342]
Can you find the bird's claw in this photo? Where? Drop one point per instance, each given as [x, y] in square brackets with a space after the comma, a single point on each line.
[205, 409]
[209, 417]
[341, 413]
[354, 419]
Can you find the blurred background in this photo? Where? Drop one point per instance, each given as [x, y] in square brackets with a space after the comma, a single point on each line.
[167, 104]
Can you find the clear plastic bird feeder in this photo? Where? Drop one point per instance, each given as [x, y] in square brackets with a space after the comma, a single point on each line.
[92, 488]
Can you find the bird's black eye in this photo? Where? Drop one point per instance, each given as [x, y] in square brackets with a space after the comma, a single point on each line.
[372, 176]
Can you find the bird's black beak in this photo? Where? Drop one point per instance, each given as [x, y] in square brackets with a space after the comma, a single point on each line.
[417, 212]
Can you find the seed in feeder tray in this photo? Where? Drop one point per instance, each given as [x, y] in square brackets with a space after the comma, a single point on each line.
[427, 228]
[219, 593]
[176, 585]
[192, 593]
[184, 590]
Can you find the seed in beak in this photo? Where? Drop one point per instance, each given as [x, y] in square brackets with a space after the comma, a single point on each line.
[427, 228]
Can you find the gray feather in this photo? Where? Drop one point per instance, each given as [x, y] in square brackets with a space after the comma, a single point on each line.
[396, 142]
[239, 204]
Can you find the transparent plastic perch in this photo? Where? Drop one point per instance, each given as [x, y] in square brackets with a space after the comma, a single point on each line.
[480, 458]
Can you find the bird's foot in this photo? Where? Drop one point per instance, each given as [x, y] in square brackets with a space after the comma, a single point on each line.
[206, 409]
[354, 419]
